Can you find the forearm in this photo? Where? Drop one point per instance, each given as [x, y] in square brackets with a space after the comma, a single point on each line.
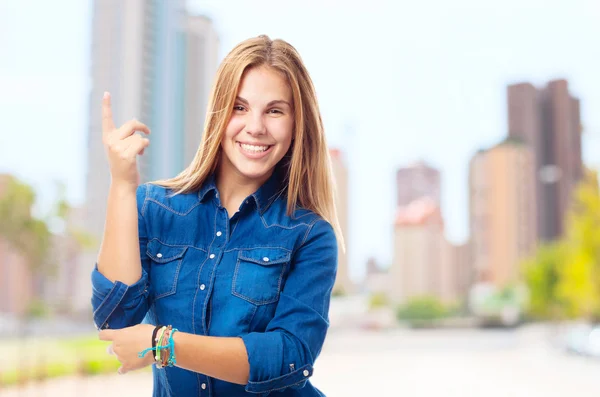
[119, 257]
[217, 357]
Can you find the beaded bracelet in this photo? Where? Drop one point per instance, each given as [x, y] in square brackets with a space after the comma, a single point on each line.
[162, 339]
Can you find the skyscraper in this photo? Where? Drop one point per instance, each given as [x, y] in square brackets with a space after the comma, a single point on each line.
[418, 251]
[343, 284]
[548, 120]
[502, 211]
[158, 63]
[417, 181]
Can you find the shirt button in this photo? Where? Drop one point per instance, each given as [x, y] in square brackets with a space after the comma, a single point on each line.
[219, 234]
[203, 386]
[202, 287]
[305, 373]
[212, 256]
[265, 259]
[159, 255]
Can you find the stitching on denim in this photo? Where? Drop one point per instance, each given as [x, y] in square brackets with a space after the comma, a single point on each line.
[284, 259]
[262, 218]
[186, 246]
[168, 388]
[303, 215]
[145, 199]
[202, 268]
[308, 231]
[175, 279]
[116, 305]
[104, 299]
[282, 387]
[257, 247]
[172, 210]
[291, 374]
[179, 256]
[249, 299]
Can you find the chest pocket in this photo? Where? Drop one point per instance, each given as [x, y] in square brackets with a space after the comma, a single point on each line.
[259, 273]
[164, 267]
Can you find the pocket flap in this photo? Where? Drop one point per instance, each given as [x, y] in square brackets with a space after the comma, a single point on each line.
[162, 253]
[265, 256]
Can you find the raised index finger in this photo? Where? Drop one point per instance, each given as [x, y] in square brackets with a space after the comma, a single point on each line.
[107, 119]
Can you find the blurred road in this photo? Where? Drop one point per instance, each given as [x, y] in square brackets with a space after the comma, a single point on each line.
[421, 363]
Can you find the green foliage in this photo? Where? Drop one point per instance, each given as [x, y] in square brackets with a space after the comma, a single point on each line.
[421, 309]
[37, 309]
[338, 292]
[563, 278]
[579, 276]
[30, 235]
[378, 300]
[55, 358]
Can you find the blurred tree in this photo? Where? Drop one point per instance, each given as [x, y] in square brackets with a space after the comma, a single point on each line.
[378, 300]
[19, 228]
[542, 276]
[421, 311]
[579, 276]
[31, 236]
[564, 277]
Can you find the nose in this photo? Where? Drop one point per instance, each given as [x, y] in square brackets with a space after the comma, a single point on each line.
[255, 124]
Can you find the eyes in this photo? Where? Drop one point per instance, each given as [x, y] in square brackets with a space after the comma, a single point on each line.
[241, 108]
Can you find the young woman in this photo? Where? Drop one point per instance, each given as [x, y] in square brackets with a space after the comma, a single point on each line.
[238, 253]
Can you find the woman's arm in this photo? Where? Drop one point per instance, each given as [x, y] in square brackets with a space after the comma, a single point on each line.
[120, 286]
[119, 257]
[217, 357]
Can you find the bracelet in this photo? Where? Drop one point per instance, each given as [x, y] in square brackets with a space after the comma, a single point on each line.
[163, 345]
[153, 343]
[160, 347]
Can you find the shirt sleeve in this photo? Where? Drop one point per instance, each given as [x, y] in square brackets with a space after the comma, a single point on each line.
[118, 305]
[283, 356]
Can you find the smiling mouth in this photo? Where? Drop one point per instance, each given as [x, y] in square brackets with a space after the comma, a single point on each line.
[254, 148]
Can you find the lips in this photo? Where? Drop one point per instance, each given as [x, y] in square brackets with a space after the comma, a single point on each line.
[254, 151]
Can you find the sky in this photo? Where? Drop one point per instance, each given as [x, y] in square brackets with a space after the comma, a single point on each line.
[397, 82]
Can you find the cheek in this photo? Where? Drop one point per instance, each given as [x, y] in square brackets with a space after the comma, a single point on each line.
[283, 131]
[234, 127]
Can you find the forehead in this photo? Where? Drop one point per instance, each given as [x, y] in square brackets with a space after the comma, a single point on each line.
[262, 82]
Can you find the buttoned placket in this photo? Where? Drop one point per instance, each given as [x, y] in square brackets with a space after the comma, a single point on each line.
[215, 253]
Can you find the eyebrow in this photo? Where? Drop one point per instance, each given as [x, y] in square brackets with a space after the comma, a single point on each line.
[275, 102]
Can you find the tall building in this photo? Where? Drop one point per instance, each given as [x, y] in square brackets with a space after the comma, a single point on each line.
[343, 283]
[158, 64]
[418, 251]
[502, 211]
[417, 181]
[17, 284]
[548, 120]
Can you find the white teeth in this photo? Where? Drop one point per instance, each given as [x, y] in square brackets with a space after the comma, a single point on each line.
[255, 149]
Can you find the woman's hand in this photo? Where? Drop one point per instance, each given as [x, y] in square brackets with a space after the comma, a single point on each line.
[122, 146]
[127, 343]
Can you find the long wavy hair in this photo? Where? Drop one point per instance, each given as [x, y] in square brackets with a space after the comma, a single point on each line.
[307, 166]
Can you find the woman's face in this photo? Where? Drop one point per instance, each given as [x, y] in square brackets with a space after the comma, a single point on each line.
[260, 130]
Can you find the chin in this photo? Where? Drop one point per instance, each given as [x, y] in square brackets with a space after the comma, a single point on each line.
[254, 174]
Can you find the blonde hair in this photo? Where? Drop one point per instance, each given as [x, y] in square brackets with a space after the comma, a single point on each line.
[309, 170]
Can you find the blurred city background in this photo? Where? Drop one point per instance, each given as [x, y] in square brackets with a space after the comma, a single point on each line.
[465, 143]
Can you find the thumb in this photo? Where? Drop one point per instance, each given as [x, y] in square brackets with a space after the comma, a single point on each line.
[107, 334]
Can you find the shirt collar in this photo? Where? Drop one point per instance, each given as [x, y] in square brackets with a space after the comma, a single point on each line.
[263, 197]
[269, 191]
[208, 186]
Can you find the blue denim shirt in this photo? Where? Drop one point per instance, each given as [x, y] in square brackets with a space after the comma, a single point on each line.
[260, 275]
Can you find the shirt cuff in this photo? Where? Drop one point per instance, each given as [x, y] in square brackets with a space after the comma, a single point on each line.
[107, 296]
[266, 363]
